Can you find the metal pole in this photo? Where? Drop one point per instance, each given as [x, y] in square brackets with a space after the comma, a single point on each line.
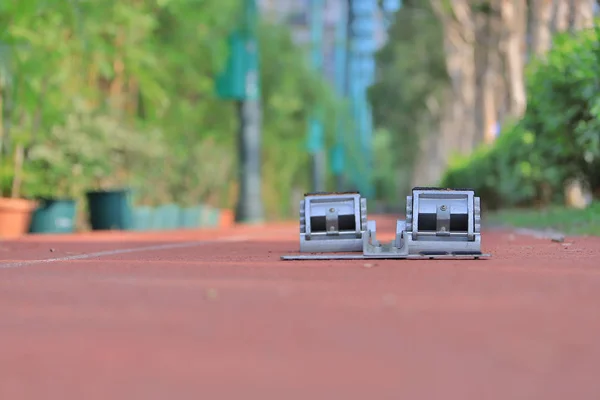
[349, 43]
[250, 207]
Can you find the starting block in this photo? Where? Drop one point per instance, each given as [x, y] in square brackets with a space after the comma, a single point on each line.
[440, 224]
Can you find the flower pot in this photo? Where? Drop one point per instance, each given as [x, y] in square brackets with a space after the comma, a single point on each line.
[54, 216]
[15, 217]
[189, 217]
[202, 215]
[167, 217]
[227, 218]
[142, 218]
[158, 219]
[210, 217]
[110, 210]
[171, 216]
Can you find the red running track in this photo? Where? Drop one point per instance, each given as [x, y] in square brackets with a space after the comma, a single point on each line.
[168, 316]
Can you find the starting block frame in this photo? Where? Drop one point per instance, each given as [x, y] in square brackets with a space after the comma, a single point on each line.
[440, 224]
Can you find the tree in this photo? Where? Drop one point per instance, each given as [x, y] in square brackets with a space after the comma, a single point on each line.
[540, 26]
[486, 48]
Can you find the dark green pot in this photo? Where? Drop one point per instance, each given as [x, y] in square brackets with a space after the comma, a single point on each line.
[110, 210]
[54, 216]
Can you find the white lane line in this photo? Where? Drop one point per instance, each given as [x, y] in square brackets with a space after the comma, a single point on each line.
[85, 256]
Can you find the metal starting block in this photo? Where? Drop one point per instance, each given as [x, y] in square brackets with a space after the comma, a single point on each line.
[440, 224]
[332, 222]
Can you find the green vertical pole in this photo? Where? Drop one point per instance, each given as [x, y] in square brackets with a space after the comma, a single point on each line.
[315, 126]
[338, 151]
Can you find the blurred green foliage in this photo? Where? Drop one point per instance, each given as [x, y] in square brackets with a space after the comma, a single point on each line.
[411, 77]
[109, 94]
[558, 138]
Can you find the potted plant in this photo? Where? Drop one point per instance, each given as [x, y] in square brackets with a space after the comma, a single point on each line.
[186, 188]
[15, 211]
[35, 109]
[56, 209]
[72, 157]
[77, 155]
[110, 152]
[109, 199]
[56, 181]
[143, 212]
[214, 183]
[227, 217]
[147, 179]
[168, 209]
[109, 196]
[191, 211]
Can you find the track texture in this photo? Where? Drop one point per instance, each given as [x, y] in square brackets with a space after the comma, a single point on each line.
[229, 320]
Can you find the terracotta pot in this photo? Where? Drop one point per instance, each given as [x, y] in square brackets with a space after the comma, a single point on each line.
[227, 218]
[15, 217]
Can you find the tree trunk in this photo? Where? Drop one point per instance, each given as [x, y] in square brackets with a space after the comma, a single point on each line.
[560, 16]
[459, 37]
[490, 110]
[5, 109]
[117, 84]
[483, 40]
[514, 19]
[581, 14]
[541, 36]
[428, 167]
[19, 158]
[436, 147]
[488, 70]
[133, 96]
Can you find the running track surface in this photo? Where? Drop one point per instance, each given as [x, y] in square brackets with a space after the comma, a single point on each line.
[169, 316]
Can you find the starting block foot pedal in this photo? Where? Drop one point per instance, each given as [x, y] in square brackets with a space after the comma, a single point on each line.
[332, 222]
[359, 256]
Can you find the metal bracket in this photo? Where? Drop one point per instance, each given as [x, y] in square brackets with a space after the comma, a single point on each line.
[332, 222]
[440, 224]
[443, 221]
